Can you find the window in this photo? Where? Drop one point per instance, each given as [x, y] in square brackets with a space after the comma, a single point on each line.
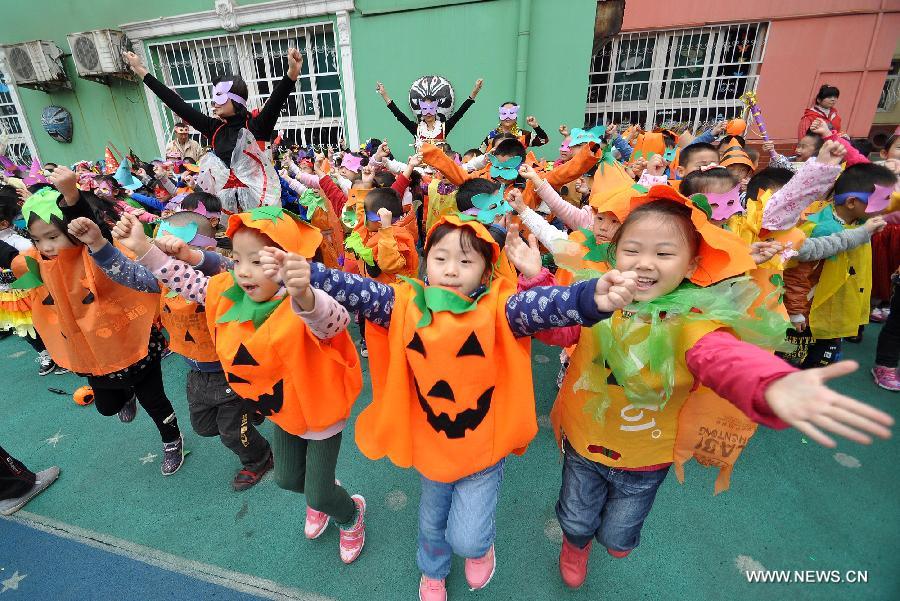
[16, 138]
[686, 78]
[314, 111]
[891, 90]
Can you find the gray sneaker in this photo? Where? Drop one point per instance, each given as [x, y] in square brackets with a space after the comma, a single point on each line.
[42, 480]
[173, 456]
[128, 411]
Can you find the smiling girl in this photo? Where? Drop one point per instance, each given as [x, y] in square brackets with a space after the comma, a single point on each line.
[678, 351]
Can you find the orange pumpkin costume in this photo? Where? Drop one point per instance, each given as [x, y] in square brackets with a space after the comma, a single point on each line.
[187, 326]
[302, 383]
[89, 324]
[453, 397]
[622, 408]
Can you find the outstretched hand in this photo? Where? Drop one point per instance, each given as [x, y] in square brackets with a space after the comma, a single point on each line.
[615, 290]
[763, 250]
[804, 401]
[526, 258]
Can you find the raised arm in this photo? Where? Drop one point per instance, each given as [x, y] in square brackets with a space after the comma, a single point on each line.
[263, 124]
[458, 114]
[204, 124]
[811, 183]
[405, 121]
[434, 156]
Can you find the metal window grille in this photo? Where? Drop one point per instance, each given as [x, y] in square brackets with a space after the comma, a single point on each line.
[890, 93]
[677, 79]
[313, 114]
[18, 148]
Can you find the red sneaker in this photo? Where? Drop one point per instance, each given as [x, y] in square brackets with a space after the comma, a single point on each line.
[432, 590]
[573, 563]
[619, 554]
[353, 539]
[479, 571]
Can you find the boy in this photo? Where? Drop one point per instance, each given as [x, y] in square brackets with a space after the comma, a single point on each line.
[828, 300]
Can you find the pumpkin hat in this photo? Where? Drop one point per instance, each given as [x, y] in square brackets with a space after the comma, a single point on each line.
[648, 144]
[735, 155]
[612, 188]
[285, 229]
[468, 221]
[721, 254]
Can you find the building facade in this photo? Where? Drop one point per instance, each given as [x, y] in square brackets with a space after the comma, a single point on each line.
[674, 64]
[528, 50]
[687, 63]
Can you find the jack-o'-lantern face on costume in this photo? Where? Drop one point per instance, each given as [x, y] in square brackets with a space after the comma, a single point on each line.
[268, 355]
[451, 409]
[452, 392]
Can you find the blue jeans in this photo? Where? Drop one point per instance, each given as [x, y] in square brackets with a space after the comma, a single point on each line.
[603, 502]
[457, 517]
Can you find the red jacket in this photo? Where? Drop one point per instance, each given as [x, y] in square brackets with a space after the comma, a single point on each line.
[811, 114]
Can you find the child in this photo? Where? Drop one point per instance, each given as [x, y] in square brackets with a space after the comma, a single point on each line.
[840, 288]
[215, 409]
[720, 188]
[738, 162]
[293, 359]
[91, 325]
[627, 404]
[237, 171]
[451, 380]
[15, 312]
[509, 114]
[887, 353]
[602, 223]
[808, 146]
[432, 125]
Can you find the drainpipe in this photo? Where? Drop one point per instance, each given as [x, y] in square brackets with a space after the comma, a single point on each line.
[522, 52]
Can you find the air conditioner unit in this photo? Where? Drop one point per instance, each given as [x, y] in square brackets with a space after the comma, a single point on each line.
[98, 54]
[36, 65]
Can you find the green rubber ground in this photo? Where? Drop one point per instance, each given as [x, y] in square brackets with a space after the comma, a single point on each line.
[792, 506]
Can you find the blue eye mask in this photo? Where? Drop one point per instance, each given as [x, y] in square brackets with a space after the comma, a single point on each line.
[583, 136]
[508, 169]
[373, 217]
[490, 206]
[187, 233]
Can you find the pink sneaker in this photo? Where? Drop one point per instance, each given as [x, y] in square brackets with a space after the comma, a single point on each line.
[432, 590]
[353, 539]
[316, 521]
[886, 377]
[480, 571]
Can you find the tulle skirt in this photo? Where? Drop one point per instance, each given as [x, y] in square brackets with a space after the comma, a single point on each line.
[250, 182]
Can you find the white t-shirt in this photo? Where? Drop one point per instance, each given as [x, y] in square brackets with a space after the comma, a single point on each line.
[10, 236]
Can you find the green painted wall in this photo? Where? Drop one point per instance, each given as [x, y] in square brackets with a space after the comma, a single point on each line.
[394, 41]
[463, 41]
